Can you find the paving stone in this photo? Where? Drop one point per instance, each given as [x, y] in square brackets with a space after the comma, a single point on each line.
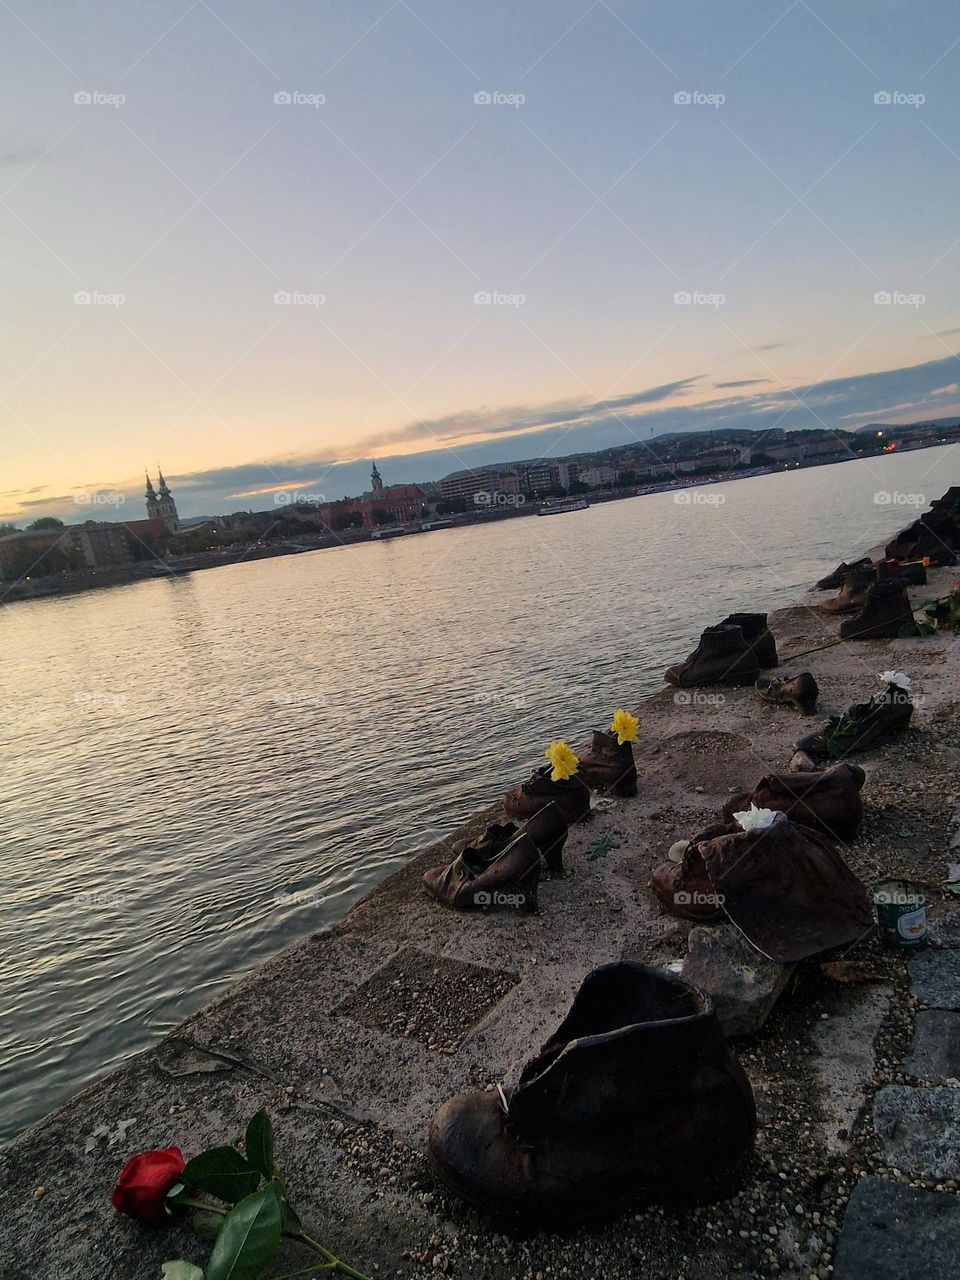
[919, 1129]
[935, 978]
[943, 930]
[744, 984]
[935, 1051]
[898, 1233]
[845, 1061]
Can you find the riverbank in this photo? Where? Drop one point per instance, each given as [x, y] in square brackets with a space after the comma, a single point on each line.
[353, 1037]
[72, 583]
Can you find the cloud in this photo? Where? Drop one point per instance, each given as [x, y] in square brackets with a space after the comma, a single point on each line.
[769, 346]
[741, 382]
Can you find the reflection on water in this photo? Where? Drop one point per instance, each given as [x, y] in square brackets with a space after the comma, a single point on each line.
[198, 771]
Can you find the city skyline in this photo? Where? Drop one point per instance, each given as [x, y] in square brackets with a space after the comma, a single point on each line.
[442, 238]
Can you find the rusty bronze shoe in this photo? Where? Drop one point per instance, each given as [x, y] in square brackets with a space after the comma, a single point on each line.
[886, 613]
[572, 796]
[853, 594]
[608, 766]
[799, 691]
[547, 829]
[835, 579]
[684, 888]
[758, 636]
[504, 880]
[827, 801]
[635, 1099]
[860, 726]
[722, 657]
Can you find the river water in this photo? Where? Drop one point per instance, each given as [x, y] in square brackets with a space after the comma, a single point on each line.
[196, 771]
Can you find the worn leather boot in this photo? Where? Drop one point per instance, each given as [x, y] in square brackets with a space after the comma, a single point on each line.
[635, 1099]
[608, 766]
[547, 829]
[685, 889]
[835, 579]
[853, 594]
[722, 657]
[859, 727]
[886, 612]
[757, 634]
[799, 691]
[572, 796]
[828, 802]
[909, 573]
[505, 880]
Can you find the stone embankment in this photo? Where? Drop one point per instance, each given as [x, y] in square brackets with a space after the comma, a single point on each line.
[351, 1038]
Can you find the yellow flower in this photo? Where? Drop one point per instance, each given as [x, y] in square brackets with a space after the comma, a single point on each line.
[625, 726]
[563, 760]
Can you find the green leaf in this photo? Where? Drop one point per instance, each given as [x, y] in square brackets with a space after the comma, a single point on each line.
[248, 1238]
[180, 1270]
[223, 1172]
[259, 1143]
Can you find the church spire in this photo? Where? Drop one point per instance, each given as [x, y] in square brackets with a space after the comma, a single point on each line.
[164, 490]
[376, 480]
[151, 493]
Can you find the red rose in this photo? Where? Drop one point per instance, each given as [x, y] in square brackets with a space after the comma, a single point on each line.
[145, 1181]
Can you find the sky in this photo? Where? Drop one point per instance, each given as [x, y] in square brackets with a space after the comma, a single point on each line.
[262, 244]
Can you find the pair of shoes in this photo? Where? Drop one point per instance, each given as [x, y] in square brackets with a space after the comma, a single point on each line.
[566, 781]
[731, 653]
[886, 613]
[799, 691]
[862, 724]
[634, 1099]
[853, 593]
[781, 884]
[835, 579]
[502, 869]
[827, 801]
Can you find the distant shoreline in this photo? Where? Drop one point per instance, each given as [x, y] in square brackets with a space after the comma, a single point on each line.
[153, 570]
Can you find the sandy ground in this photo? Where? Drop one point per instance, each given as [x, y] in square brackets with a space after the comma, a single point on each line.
[352, 1038]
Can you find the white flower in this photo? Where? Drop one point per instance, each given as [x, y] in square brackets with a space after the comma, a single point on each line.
[754, 819]
[897, 678]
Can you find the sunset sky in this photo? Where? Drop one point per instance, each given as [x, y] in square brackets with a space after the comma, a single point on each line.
[156, 200]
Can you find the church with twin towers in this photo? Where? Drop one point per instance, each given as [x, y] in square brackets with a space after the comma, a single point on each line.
[160, 503]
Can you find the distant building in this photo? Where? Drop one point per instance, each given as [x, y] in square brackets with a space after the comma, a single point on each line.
[384, 504]
[92, 545]
[596, 477]
[160, 505]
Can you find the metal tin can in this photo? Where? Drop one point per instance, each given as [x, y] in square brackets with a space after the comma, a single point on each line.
[901, 908]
